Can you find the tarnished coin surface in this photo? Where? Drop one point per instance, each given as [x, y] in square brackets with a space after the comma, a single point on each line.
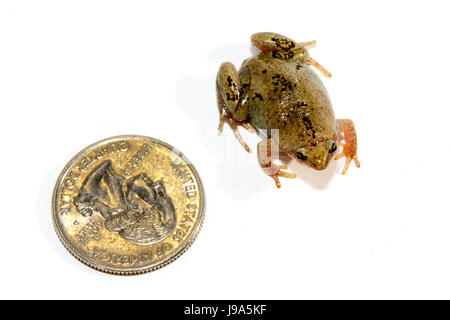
[128, 205]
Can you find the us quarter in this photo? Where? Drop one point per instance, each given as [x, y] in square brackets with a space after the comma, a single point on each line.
[128, 205]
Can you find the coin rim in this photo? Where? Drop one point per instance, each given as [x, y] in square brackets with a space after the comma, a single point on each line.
[132, 271]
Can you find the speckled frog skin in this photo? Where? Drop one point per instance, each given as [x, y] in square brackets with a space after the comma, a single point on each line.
[278, 93]
[287, 95]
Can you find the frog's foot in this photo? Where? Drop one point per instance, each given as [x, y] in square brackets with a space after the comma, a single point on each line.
[246, 125]
[281, 173]
[309, 44]
[347, 129]
[319, 67]
[266, 155]
[229, 96]
[224, 117]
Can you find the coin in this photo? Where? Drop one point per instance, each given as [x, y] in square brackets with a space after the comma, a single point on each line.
[128, 205]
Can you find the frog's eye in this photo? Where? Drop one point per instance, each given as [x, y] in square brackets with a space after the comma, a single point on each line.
[331, 146]
[302, 153]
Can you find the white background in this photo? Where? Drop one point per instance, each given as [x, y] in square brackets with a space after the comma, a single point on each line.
[74, 72]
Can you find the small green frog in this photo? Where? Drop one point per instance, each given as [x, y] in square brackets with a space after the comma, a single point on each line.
[280, 96]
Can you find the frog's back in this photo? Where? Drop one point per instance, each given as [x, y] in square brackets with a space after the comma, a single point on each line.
[289, 96]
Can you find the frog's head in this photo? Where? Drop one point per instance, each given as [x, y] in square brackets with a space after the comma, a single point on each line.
[317, 155]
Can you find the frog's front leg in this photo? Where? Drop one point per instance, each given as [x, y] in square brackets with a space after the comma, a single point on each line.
[267, 150]
[347, 129]
[229, 100]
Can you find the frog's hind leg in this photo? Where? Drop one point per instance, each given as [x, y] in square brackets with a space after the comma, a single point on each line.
[267, 153]
[229, 97]
[270, 41]
[347, 129]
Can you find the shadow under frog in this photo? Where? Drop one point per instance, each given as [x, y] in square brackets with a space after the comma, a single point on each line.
[138, 209]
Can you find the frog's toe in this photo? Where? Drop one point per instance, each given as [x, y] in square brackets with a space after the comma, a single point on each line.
[309, 44]
[347, 164]
[319, 67]
[266, 161]
[238, 136]
[287, 174]
[277, 181]
[281, 173]
[221, 122]
[350, 155]
[224, 117]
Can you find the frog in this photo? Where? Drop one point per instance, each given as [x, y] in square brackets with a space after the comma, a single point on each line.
[278, 95]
